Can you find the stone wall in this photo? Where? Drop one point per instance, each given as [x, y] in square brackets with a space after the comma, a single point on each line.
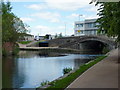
[61, 41]
[84, 43]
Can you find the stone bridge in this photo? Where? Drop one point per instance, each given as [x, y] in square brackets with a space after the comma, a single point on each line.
[84, 42]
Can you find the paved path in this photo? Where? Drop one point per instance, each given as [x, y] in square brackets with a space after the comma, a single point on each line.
[102, 75]
[37, 48]
[25, 45]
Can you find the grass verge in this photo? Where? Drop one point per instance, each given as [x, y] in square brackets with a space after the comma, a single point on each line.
[63, 83]
[25, 42]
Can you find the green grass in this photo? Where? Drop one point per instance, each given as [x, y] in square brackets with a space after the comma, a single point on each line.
[63, 83]
[25, 42]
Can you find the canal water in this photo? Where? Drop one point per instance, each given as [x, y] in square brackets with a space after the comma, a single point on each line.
[31, 68]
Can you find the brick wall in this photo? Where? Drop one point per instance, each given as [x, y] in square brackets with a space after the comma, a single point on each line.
[8, 47]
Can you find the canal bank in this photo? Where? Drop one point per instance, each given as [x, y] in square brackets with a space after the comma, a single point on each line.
[102, 75]
[65, 80]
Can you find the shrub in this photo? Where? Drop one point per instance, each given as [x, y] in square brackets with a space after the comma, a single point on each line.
[66, 70]
[105, 50]
[44, 83]
[16, 49]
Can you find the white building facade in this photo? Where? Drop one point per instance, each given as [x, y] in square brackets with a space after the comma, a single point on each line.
[86, 27]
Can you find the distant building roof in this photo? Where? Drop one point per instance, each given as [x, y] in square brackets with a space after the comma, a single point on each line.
[25, 34]
[86, 21]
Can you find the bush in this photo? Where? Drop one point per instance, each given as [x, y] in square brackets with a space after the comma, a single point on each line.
[44, 83]
[66, 70]
[15, 49]
[105, 50]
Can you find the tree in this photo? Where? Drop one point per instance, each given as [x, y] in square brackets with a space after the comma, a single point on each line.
[109, 20]
[60, 35]
[56, 36]
[12, 27]
[11, 24]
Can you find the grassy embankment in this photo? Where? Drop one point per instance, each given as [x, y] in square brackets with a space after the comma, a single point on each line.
[25, 42]
[63, 83]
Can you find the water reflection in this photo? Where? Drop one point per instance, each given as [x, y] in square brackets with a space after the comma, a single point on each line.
[25, 54]
[31, 68]
[7, 69]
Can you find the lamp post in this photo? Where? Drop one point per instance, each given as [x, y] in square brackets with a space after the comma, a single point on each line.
[65, 28]
[40, 31]
[79, 16]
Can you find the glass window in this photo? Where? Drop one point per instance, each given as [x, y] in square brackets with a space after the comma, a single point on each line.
[90, 25]
[81, 31]
[79, 25]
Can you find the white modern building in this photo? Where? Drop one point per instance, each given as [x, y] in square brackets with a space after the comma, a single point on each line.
[86, 27]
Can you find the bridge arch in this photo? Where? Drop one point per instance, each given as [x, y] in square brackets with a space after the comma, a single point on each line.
[107, 43]
[75, 44]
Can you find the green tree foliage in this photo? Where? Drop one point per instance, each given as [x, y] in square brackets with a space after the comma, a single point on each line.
[12, 29]
[109, 20]
[56, 36]
[60, 35]
[12, 26]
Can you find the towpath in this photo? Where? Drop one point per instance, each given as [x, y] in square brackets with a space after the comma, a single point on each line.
[102, 75]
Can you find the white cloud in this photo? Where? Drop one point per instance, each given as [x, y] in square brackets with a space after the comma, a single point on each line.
[37, 6]
[73, 15]
[91, 8]
[52, 17]
[23, 0]
[43, 30]
[61, 27]
[55, 20]
[26, 19]
[90, 16]
[41, 27]
[67, 4]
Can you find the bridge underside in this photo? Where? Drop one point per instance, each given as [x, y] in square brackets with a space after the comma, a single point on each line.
[90, 46]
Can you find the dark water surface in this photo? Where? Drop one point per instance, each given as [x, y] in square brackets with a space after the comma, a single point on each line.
[31, 68]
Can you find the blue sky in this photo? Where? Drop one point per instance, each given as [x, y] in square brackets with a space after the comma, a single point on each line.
[50, 16]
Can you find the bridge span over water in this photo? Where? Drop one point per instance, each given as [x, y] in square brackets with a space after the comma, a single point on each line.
[84, 42]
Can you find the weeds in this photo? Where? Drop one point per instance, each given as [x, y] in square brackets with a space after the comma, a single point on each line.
[66, 70]
[44, 83]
